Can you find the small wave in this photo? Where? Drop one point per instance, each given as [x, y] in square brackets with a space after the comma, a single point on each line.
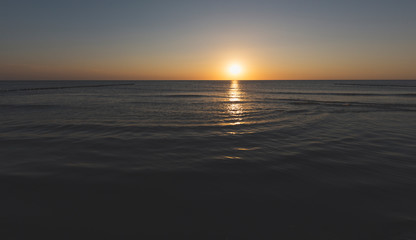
[375, 85]
[248, 149]
[64, 87]
[345, 94]
[26, 106]
[186, 96]
[385, 106]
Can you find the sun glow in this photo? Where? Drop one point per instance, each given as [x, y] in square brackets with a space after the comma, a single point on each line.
[235, 69]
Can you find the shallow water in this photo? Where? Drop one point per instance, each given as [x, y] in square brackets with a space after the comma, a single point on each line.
[208, 159]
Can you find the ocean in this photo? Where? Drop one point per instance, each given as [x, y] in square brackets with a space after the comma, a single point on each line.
[208, 160]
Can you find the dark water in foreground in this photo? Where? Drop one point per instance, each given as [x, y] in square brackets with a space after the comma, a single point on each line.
[208, 160]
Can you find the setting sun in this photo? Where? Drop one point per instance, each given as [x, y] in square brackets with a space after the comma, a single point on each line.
[235, 69]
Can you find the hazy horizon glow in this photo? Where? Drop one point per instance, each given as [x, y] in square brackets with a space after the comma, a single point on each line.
[184, 40]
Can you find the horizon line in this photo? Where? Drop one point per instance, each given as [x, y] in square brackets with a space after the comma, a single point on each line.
[208, 80]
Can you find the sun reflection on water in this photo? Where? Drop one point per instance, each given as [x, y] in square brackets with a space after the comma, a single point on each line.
[234, 107]
[234, 92]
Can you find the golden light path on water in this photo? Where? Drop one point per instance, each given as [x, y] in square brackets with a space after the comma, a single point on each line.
[234, 106]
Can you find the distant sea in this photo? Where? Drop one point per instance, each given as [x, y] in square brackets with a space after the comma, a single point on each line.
[208, 160]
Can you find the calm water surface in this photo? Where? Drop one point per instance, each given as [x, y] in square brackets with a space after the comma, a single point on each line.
[208, 159]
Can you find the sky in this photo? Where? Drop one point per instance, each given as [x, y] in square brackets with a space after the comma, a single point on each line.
[192, 39]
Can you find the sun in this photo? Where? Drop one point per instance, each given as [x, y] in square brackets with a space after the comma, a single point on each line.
[235, 69]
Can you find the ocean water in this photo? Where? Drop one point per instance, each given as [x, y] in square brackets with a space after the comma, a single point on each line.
[208, 159]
